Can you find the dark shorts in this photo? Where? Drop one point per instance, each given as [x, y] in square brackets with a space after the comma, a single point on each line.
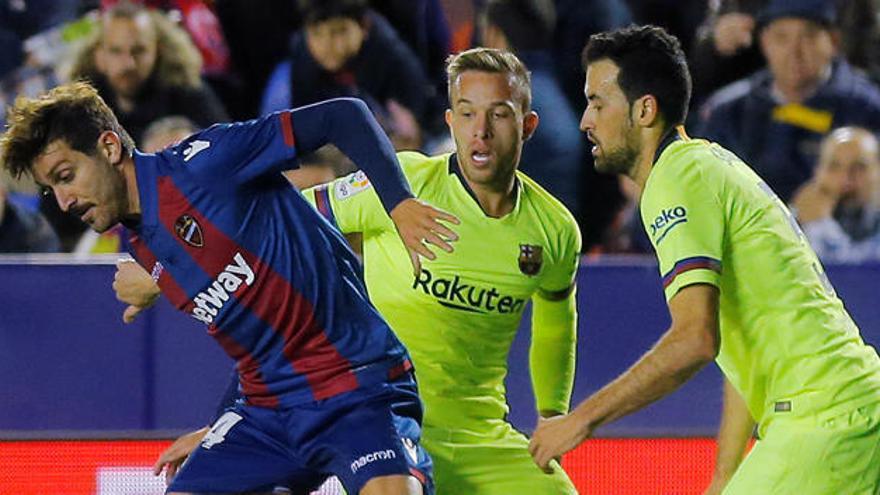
[356, 436]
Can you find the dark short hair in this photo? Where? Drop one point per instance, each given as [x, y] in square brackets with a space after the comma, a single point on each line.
[316, 11]
[651, 62]
[73, 113]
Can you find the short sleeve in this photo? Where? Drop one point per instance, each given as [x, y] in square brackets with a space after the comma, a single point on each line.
[350, 203]
[561, 273]
[685, 221]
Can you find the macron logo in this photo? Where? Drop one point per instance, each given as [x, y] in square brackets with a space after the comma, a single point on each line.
[210, 301]
[379, 455]
[195, 148]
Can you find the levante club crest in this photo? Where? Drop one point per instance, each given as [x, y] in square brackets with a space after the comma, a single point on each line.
[530, 259]
[188, 229]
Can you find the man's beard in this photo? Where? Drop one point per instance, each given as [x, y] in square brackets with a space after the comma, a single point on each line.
[618, 161]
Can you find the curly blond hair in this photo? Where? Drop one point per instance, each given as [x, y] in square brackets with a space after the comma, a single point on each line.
[178, 62]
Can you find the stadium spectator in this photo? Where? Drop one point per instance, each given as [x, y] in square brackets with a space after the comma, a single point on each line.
[229, 242]
[775, 119]
[22, 228]
[576, 20]
[346, 49]
[145, 68]
[554, 154]
[839, 208]
[258, 40]
[726, 48]
[742, 288]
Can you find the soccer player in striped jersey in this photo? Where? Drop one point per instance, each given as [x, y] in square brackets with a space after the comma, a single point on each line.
[743, 287]
[328, 388]
[459, 314]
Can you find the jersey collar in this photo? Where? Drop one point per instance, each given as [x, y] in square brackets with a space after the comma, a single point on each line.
[145, 166]
[455, 168]
[672, 135]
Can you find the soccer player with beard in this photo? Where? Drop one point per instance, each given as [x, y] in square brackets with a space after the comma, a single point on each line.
[743, 287]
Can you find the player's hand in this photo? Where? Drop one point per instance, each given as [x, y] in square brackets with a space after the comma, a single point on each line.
[554, 437]
[172, 457]
[418, 222]
[135, 287]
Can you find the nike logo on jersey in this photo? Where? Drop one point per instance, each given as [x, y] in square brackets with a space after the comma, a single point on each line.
[209, 302]
[194, 148]
[454, 294]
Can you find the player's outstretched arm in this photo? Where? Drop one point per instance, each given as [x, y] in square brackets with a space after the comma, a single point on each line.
[690, 343]
[734, 433]
[135, 287]
[348, 124]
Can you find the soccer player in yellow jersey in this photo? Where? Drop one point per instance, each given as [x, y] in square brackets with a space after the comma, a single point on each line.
[459, 314]
[743, 287]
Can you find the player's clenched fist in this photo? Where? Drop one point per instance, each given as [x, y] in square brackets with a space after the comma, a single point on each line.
[135, 287]
[419, 222]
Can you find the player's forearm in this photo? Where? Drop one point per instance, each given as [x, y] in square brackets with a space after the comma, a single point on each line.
[348, 124]
[552, 354]
[733, 434]
[672, 362]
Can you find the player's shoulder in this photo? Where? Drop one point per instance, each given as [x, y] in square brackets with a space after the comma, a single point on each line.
[420, 169]
[534, 196]
[687, 165]
[195, 148]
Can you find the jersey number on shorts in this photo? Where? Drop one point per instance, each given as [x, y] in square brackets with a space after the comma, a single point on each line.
[220, 429]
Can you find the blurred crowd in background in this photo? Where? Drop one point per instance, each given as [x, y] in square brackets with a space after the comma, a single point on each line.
[791, 86]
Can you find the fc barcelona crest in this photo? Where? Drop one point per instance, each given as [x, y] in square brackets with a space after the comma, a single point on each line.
[189, 230]
[530, 259]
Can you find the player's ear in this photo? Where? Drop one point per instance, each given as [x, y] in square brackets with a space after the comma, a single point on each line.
[110, 145]
[647, 111]
[530, 123]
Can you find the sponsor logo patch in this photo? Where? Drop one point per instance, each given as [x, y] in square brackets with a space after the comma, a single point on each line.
[457, 294]
[350, 185]
[210, 301]
[379, 455]
[188, 229]
[667, 220]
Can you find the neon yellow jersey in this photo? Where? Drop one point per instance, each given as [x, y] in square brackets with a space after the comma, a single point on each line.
[460, 315]
[787, 343]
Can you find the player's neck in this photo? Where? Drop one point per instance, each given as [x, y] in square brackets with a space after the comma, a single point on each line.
[496, 200]
[639, 173]
[131, 187]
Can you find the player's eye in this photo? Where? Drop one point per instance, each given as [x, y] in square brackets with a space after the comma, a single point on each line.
[45, 191]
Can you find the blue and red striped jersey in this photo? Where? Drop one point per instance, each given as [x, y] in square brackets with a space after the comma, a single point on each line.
[231, 243]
